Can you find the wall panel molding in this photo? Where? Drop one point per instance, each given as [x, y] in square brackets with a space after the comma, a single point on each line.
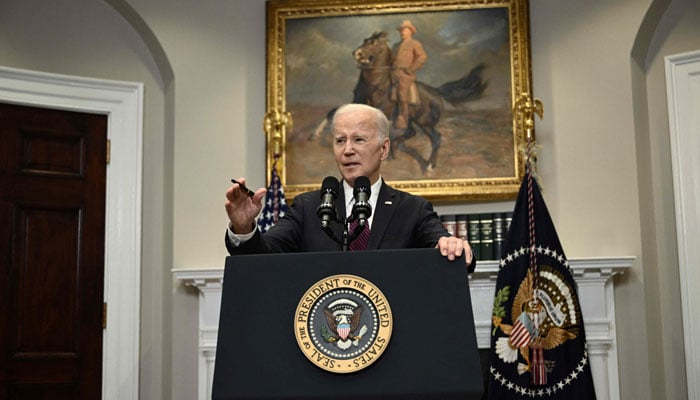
[683, 96]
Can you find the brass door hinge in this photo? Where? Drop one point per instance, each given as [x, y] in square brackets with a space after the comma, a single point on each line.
[109, 149]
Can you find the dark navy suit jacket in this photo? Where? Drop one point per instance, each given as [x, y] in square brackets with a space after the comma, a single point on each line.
[400, 221]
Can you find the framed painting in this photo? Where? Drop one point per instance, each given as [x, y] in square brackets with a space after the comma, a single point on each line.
[325, 53]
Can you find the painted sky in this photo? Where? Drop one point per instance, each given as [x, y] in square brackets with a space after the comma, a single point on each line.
[318, 51]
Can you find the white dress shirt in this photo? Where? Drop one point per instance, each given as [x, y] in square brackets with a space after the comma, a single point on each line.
[373, 197]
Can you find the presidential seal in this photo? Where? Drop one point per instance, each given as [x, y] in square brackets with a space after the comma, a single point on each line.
[343, 323]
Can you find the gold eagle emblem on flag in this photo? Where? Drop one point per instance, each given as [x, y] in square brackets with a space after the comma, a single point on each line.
[544, 318]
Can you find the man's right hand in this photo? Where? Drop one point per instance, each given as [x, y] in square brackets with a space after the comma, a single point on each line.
[241, 208]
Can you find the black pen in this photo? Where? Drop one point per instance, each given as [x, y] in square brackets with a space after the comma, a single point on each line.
[244, 188]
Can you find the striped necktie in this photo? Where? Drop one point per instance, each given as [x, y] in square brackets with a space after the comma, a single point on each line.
[360, 243]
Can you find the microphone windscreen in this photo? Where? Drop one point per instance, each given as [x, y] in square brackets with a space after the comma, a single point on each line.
[330, 184]
[361, 185]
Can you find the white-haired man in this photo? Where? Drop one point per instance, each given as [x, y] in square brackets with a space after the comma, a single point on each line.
[399, 219]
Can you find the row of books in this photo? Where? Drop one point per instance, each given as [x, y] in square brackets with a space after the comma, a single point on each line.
[486, 232]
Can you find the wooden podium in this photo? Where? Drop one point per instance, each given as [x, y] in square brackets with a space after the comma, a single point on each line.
[432, 352]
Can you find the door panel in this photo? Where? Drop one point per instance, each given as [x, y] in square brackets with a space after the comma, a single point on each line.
[52, 224]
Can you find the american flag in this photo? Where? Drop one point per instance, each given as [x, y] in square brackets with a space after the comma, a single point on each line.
[275, 206]
[523, 331]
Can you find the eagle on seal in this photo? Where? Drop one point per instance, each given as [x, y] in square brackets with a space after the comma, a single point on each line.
[342, 324]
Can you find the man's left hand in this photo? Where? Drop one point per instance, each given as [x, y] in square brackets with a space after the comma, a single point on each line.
[452, 247]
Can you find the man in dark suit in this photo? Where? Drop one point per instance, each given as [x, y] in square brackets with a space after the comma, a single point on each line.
[399, 219]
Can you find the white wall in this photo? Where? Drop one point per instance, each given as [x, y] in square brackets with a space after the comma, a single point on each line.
[202, 64]
[88, 38]
[581, 71]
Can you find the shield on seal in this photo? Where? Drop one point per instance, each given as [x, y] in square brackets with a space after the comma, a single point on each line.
[343, 330]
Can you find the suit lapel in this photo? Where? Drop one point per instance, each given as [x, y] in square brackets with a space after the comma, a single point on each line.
[387, 203]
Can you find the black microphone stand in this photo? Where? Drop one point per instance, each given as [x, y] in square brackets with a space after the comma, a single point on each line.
[347, 236]
[346, 240]
[327, 229]
[361, 209]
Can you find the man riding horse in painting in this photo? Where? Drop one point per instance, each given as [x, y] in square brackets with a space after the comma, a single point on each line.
[416, 105]
[408, 58]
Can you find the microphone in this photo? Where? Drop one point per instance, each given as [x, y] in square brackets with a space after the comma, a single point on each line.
[362, 210]
[326, 211]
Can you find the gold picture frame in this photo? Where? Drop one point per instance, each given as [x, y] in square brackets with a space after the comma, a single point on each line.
[483, 46]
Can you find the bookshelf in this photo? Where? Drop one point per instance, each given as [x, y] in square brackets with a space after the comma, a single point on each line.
[485, 231]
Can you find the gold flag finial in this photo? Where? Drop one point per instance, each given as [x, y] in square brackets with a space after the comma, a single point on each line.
[525, 109]
[275, 126]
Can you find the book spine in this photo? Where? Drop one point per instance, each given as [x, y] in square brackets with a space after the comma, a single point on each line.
[449, 222]
[508, 217]
[474, 237]
[499, 234]
[486, 236]
[462, 227]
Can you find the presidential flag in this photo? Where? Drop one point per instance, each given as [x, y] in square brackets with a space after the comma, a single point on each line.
[275, 206]
[538, 343]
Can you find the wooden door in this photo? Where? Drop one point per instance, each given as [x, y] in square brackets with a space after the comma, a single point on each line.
[52, 224]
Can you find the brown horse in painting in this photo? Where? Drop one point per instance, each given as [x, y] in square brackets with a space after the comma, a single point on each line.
[374, 87]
